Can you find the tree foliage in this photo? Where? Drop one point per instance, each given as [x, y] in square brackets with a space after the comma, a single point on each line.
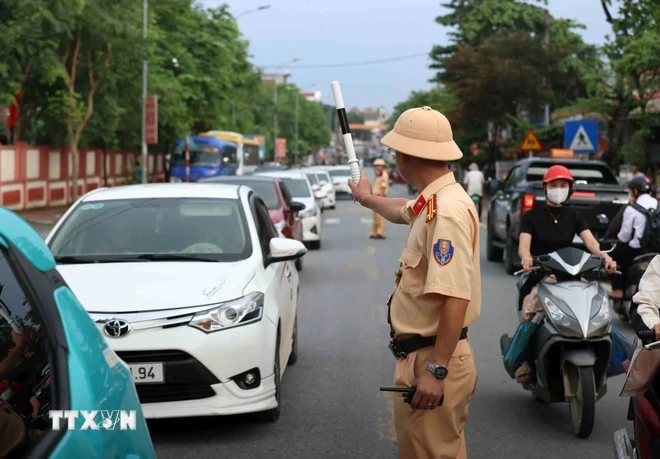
[77, 65]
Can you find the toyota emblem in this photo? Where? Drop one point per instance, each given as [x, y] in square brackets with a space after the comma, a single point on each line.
[116, 328]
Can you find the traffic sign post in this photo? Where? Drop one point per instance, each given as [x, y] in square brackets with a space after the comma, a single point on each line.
[581, 136]
[531, 143]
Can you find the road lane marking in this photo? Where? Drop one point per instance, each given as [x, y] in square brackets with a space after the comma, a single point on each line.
[366, 221]
[371, 249]
[386, 428]
[352, 209]
[331, 221]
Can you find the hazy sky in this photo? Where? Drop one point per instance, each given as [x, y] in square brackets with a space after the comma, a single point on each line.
[321, 32]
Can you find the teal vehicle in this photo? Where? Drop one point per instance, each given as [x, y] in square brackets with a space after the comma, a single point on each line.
[54, 363]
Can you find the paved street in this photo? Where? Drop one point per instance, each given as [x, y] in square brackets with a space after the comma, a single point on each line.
[331, 404]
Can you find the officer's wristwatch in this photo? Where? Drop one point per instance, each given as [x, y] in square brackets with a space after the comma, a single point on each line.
[438, 371]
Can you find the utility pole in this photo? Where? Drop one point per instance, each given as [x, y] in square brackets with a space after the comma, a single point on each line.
[547, 47]
[295, 152]
[145, 68]
[274, 116]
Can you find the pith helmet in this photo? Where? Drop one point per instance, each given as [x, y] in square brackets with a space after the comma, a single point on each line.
[424, 133]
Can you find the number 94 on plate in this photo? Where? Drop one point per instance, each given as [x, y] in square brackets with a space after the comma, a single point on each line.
[145, 373]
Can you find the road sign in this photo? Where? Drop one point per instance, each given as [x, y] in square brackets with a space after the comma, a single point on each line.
[581, 136]
[151, 120]
[531, 142]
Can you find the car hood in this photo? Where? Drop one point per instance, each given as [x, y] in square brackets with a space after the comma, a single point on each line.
[151, 286]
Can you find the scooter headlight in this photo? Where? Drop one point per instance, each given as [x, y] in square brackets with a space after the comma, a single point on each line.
[599, 323]
[560, 319]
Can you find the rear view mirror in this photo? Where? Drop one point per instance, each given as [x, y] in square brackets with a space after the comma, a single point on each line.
[316, 187]
[284, 249]
[295, 206]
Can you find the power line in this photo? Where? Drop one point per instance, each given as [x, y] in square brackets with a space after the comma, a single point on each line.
[349, 64]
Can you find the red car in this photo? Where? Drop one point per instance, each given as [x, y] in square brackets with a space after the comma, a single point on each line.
[282, 209]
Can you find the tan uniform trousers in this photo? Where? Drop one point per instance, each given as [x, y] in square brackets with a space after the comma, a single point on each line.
[437, 434]
[379, 225]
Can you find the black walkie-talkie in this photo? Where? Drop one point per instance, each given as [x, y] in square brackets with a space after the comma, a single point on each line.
[408, 393]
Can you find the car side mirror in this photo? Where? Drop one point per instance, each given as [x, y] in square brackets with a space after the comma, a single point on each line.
[315, 187]
[284, 249]
[494, 186]
[296, 206]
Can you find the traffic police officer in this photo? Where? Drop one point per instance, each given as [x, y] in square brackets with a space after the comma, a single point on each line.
[438, 292]
[381, 187]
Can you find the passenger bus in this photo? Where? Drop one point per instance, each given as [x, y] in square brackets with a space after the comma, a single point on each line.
[235, 138]
[209, 157]
[251, 154]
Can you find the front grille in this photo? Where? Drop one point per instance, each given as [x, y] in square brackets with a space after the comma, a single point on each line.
[185, 377]
[159, 393]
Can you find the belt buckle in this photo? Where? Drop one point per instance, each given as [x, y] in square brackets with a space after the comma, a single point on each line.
[395, 347]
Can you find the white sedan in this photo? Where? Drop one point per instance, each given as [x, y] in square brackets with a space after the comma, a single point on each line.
[340, 176]
[192, 287]
[301, 190]
[325, 182]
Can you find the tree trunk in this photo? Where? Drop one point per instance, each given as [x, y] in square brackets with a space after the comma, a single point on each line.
[105, 162]
[73, 148]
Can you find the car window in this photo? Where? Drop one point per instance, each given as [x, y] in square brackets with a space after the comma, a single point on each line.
[590, 173]
[102, 230]
[312, 178]
[285, 192]
[514, 178]
[298, 187]
[323, 177]
[25, 371]
[265, 228]
[267, 192]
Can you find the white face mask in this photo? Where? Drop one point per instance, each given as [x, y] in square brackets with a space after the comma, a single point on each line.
[557, 195]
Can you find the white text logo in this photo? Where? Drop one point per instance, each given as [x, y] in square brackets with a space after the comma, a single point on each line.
[94, 420]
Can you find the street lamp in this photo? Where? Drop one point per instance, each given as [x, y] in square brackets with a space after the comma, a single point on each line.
[295, 152]
[261, 8]
[275, 102]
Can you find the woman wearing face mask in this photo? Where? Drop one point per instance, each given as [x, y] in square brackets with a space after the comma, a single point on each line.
[548, 228]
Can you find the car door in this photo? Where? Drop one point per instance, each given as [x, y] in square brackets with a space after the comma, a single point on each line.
[278, 277]
[501, 202]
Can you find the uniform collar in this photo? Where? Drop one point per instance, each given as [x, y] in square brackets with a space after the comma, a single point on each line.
[415, 207]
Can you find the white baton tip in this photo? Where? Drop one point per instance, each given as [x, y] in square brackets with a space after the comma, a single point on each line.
[336, 93]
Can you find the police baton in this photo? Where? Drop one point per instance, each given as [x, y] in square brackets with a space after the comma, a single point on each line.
[346, 132]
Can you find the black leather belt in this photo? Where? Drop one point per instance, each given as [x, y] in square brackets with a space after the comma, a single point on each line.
[401, 348]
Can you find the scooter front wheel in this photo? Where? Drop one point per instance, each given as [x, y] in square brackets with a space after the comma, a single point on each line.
[583, 405]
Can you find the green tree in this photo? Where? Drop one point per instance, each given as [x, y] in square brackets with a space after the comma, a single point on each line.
[355, 117]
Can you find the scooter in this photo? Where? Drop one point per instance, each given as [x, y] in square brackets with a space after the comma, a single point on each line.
[571, 344]
[644, 411]
[635, 273]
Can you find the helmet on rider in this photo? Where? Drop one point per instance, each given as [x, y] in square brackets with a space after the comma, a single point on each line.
[638, 186]
[558, 184]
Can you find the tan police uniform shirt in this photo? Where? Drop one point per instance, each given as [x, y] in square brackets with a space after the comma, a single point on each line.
[382, 184]
[440, 259]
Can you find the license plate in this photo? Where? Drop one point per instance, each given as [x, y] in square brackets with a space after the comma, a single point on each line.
[146, 373]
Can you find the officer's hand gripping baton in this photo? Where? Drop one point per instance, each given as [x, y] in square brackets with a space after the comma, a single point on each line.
[346, 132]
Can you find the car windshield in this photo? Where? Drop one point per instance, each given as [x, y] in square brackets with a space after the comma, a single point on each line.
[198, 158]
[153, 229]
[589, 173]
[340, 172]
[267, 192]
[297, 187]
[312, 178]
[322, 177]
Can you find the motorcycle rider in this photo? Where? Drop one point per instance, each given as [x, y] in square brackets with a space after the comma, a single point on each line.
[549, 228]
[647, 299]
[631, 232]
[474, 183]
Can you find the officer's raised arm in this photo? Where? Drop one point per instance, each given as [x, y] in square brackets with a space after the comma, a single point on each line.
[390, 208]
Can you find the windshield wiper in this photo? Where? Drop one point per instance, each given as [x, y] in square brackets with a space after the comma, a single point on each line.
[70, 260]
[174, 257]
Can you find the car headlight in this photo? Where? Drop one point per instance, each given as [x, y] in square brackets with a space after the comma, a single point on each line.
[231, 314]
[175, 180]
[562, 320]
[308, 212]
[599, 323]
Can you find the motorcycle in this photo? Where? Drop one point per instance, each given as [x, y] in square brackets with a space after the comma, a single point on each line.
[477, 202]
[635, 273]
[644, 408]
[570, 341]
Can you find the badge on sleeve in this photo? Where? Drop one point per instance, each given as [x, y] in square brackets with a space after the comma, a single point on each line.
[443, 251]
[419, 204]
[431, 209]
